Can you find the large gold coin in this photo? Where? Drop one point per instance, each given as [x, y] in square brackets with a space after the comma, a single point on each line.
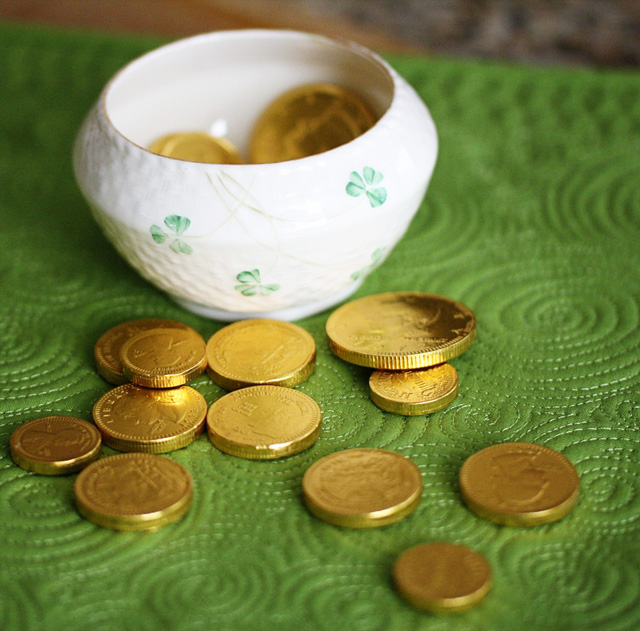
[131, 418]
[133, 491]
[55, 445]
[261, 351]
[264, 422]
[163, 358]
[413, 392]
[401, 330]
[309, 120]
[519, 484]
[107, 348]
[197, 147]
[362, 488]
[442, 577]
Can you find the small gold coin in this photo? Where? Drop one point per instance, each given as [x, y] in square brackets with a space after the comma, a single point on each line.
[442, 577]
[401, 330]
[308, 120]
[413, 392]
[163, 358]
[131, 418]
[362, 488]
[519, 484]
[55, 445]
[133, 491]
[107, 348]
[197, 147]
[264, 422]
[260, 351]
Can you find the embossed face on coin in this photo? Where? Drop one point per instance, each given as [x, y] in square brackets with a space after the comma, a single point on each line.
[309, 120]
[260, 351]
[400, 330]
[412, 392]
[133, 491]
[442, 577]
[519, 484]
[264, 422]
[132, 418]
[55, 445]
[163, 358]
[362, 488]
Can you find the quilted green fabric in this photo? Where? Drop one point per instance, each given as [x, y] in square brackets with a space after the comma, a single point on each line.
[532, 219]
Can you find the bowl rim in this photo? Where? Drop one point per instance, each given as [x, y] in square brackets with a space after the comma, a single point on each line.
[391, 75]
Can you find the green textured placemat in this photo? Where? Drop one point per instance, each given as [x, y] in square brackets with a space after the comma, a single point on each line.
[532, 219]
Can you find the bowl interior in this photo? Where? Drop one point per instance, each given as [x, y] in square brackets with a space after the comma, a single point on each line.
[221, 82]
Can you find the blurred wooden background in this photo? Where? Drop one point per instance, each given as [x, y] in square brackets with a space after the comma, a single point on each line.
[575, 32]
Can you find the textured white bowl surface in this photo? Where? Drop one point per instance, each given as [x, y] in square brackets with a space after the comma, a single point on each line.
[281, 240]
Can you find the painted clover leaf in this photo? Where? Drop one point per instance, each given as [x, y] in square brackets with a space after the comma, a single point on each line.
[367, 183]
[176, 225]
[376, 259]
[252, 284]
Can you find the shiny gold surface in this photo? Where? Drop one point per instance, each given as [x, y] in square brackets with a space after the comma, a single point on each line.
[264, 422]
[260, 351]
[55, 445]
[362, 488]
[197, 147]
[401, 330]
[442, 577]
[163, 358]
[133, 491]
[107, 348]
[308, 120]
[519, 484]
[413, 392]
[132, 418]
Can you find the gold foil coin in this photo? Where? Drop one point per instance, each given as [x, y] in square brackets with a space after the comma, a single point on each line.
[163, 358]
[264, 422]
[260, 352]
[197, 147]
[442, 577]
[107, 348]
[413, 392]
[133, 491]
[362, 488]
[519, 484]
[309, 120]
[401, 330]
[55, 445]
[132, 418]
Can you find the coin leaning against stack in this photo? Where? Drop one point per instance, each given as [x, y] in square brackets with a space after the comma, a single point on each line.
[302, 122]
[408, 337]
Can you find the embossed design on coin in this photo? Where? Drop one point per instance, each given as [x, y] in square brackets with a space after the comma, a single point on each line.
[308, 120]
[264, 422]
[519, 484]
[362, 488]
[107, 348]
[132, 418]
[260, 351]
[163, 358]
[442, 577]
[55, 445]
[133, 491]
[197, 147]
[401, 330]
[413, 392]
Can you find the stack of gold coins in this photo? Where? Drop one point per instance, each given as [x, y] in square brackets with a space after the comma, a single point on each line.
[408, 337]
[304, 121]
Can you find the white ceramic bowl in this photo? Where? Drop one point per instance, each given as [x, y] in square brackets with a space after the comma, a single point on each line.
[282, 240]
